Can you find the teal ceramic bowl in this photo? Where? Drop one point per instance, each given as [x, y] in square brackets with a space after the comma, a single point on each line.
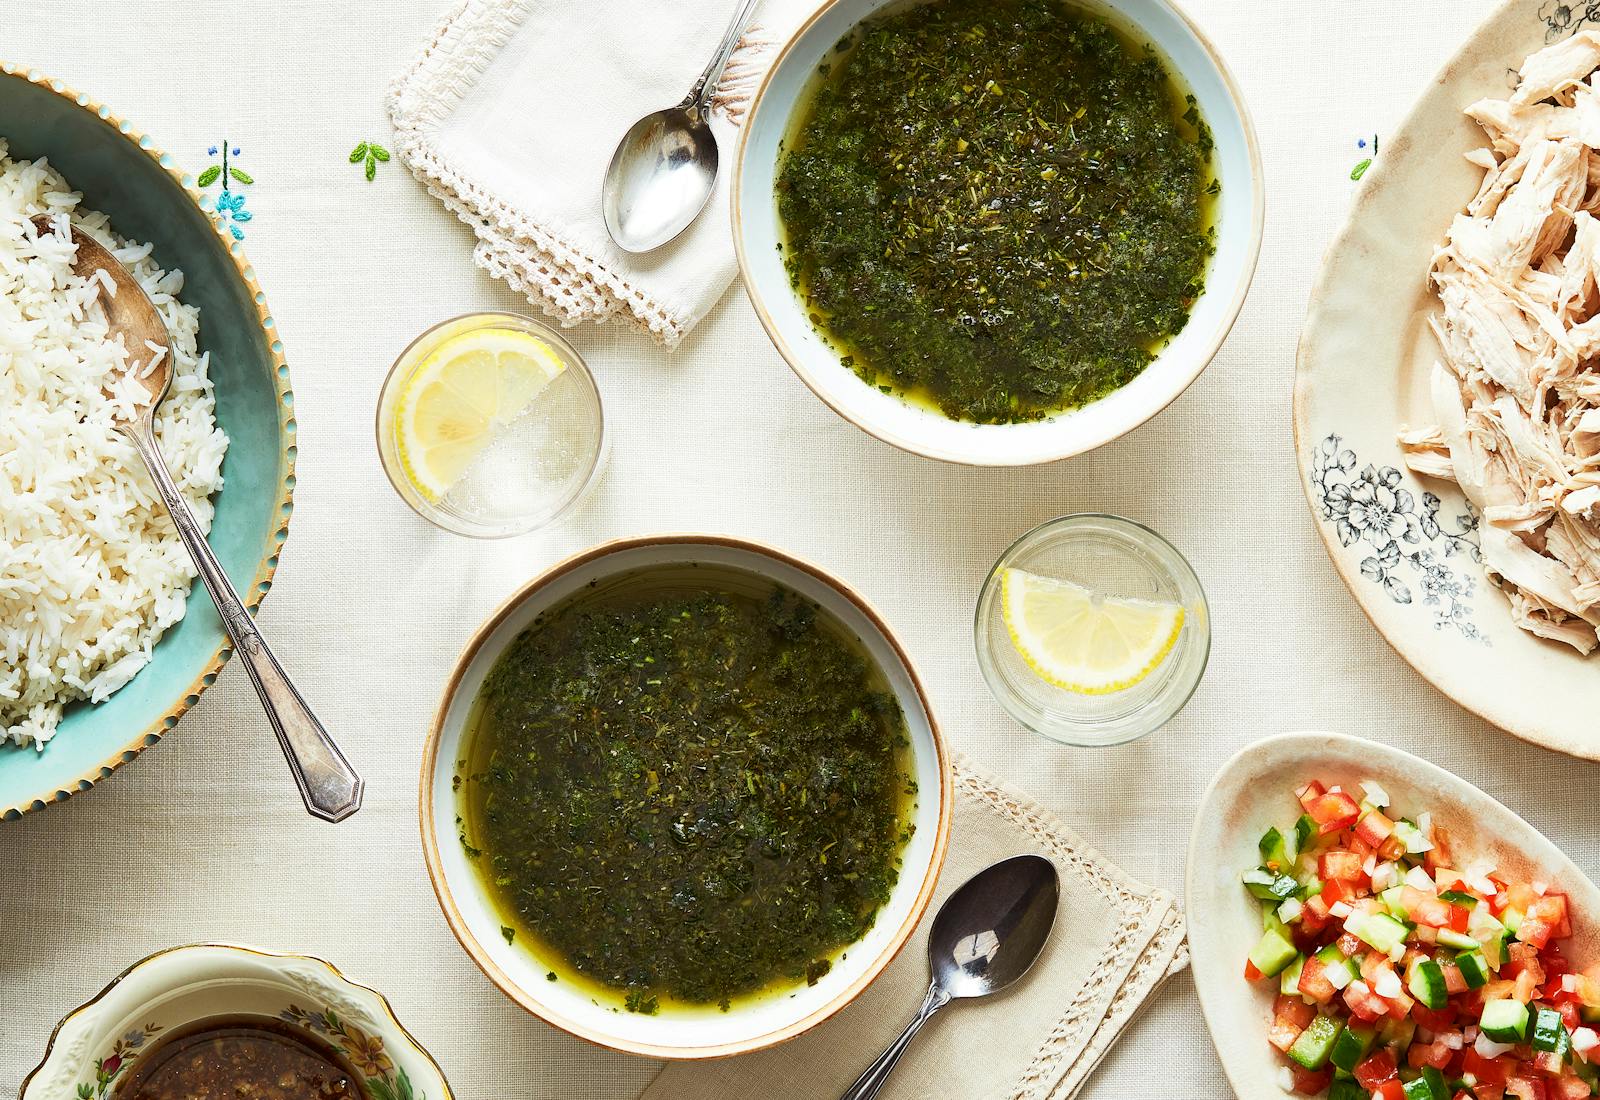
[122, 172]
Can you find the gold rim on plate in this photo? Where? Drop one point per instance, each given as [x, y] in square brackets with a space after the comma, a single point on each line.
[502, 980]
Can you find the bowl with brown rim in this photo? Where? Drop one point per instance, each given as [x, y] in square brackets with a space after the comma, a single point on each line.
[517, 968]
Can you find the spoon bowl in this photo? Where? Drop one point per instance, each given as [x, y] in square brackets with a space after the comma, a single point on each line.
[984, 938]
[665, 167]
[660, 178]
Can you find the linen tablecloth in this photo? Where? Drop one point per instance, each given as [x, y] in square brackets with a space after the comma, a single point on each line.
[204, 838]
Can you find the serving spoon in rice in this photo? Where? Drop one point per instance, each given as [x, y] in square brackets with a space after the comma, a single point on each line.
[329, 785]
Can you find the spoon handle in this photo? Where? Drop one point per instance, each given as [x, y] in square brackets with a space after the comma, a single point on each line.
[328, 784]
[868, 1084]
[706, 87]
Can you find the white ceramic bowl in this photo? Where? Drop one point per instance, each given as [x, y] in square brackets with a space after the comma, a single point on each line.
[96, 1043]
[758, 232]
[1254, 790]
[710, 1034]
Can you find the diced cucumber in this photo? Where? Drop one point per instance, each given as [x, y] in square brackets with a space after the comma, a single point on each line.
[1353, 1044]
[1304, 830]
[1456, 897]
[1474, 971]
[1430, 1086]
[1277, 851]
[1273, 953]
[1271, 922]
[1550, 1032]
[1380, 931]
[1311, 1050]
[1391, 901]
[1505, 1021]
[1348, 1089]
[1289, 981]
[1457, 940]
[1426, 982]
[1397, 1035]
[1269, 885]
[1312, 885]
[1512, 919]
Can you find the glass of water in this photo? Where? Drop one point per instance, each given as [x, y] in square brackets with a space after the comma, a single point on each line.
[490, 425]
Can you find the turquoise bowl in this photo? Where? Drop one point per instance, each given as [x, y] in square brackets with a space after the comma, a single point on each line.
[122, 172]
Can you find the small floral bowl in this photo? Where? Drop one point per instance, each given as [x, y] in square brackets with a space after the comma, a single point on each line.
[97, 1041]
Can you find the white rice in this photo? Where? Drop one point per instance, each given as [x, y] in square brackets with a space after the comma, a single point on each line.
[91, 568]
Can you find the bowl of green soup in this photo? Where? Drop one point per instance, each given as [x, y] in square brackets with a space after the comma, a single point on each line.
[684, 796]
[997, 232]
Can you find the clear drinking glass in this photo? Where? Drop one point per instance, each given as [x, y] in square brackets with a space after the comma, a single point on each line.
[1111, 557]
[532, 469]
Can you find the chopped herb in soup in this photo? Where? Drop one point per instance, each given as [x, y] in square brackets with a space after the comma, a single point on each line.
[686, 793]
[998, 207]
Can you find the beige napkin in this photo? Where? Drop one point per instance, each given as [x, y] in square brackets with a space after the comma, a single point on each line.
[1115, 942]
[510, 116]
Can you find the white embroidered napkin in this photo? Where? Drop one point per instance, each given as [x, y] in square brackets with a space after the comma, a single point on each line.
[1115, 941]
[510, 116]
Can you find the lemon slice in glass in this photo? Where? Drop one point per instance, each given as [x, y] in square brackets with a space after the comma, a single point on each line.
[1083, 642]
[455, 401]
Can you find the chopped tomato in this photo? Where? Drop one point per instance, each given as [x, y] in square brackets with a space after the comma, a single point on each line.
[1526, 1088]
[1433, 1019]
[1251, 974]
[1377, 1069]
[1350, 945]
[1439, 854]
[1364, 1003]
[1390, 1090]
[1459, 917]
[1314, 981]
[1341, 863]
[1487, 1071]
[1311, 1082]
[1571, 1088]
[1333, 811]
[1433, 1054]
[1374, 828]
[1335, 890]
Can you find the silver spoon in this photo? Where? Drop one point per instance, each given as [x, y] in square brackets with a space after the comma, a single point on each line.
[985, 936]
[665, 166]
[331, 788]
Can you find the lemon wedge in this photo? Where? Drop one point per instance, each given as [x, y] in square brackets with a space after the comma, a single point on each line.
[1082, 642]
[461, 395]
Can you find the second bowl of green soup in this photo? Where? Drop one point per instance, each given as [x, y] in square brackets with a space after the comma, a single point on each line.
[684, 796]
[997, 232]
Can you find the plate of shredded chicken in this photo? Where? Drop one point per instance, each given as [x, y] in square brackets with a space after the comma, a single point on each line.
[1447, 400]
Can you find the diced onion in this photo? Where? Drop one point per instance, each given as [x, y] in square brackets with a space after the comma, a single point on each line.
[1339, 976]
[1584, 1040]
[1451, 1039]
[1369, 865]
[1387, 984]
[1290, 910]
[1418, 879]
[1425, 823]
[1397, 952]
[1488, 1048]
[1285, 1079]
[1539, 887]
[1569, 982]
[1384, 875]
[1375, 794]
[1340, 909]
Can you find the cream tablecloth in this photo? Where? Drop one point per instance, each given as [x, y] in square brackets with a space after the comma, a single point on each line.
[203, 837]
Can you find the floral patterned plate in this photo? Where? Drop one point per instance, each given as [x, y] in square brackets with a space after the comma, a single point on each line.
[1406, 546]
[98, 1041]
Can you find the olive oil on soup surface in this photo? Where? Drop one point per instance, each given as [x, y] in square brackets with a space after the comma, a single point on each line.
[997, 209]
[684, 788]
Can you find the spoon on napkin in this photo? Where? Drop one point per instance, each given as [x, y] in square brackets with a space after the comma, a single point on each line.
[985, 936]
[328, 784]
[666, 165]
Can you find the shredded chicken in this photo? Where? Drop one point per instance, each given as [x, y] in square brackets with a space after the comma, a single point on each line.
[1517, 389]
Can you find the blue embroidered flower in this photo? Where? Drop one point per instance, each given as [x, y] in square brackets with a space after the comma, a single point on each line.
[230, 211]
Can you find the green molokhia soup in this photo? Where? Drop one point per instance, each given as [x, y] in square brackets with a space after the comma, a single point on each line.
[686, 795]
[998, 208]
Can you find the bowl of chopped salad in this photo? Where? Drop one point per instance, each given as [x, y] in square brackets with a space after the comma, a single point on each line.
[1364, 924]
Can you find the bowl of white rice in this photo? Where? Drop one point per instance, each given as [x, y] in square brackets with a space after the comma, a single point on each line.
[105, 641]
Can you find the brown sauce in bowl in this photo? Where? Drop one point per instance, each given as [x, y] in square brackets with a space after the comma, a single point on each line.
[229, 1057]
